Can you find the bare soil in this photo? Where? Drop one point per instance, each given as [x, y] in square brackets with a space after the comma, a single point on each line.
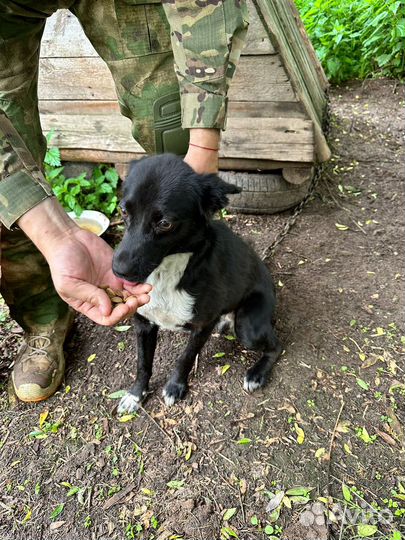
[175, 473]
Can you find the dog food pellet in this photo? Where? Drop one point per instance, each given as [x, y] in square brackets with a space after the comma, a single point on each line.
[116, 297]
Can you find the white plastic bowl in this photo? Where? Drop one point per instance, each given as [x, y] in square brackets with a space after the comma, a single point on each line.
[91, 220]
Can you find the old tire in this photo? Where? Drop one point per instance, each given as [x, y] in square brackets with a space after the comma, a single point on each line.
[263, 193]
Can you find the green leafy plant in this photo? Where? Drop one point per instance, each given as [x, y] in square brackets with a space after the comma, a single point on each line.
[99, 192]
[357, 38]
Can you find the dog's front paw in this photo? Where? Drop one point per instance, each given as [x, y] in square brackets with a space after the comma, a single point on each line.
[129, 404]
[253, 380]
[173, 391]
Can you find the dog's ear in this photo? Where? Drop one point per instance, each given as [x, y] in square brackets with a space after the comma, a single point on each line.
[133, 165]
[214, 193]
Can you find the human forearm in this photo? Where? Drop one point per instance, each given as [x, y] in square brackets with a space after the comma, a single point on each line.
[202, 153]
[47, 224]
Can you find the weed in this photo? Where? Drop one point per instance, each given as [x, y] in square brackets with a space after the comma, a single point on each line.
[363, 434]
[356, 38]
[175, 484]
[99, 192]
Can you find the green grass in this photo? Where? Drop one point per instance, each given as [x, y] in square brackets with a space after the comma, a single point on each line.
[357, 38]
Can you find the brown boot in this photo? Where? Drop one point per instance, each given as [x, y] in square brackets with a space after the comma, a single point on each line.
[40, 364]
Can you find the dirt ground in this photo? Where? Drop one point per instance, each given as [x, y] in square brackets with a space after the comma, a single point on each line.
[327, 431]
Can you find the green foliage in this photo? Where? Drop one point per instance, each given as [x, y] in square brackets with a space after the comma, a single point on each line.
[357, 38]
[99, 192]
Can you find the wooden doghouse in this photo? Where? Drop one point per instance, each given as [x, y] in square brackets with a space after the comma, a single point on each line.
[276, 102]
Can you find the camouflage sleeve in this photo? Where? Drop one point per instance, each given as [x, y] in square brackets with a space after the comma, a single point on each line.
[207, 39]
[22, 184]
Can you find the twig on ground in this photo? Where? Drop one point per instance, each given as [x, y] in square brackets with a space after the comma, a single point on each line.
[241, 506]
[343, 522]
[195, 368]
[332, 440]
[118, 496]
[158, 426]
[116, 222]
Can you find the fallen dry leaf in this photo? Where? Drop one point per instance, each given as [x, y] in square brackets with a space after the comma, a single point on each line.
[56, 525]
[387, 438]
[275, 501]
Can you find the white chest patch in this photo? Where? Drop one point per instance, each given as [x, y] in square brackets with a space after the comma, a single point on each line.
[169, 307]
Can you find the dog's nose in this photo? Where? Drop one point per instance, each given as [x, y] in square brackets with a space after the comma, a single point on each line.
[121, 264]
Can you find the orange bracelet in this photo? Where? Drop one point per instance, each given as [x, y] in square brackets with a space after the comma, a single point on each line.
[204, 147]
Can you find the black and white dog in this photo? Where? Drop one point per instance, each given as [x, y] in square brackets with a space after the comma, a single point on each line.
[199, 269]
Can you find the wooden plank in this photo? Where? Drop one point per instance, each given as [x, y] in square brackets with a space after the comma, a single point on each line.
[64, 37]
[304, 60]
[269, 138]
[123, 158]
[257, 78]
[309, 47]
[98, 156]
[280, 139]
[244, 109]
[257, 38]
[261, 78]
[78, 107]
[266, 109]
[101, 132]
[75, 78]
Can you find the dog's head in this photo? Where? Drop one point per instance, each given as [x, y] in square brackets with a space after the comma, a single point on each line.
[166, 207]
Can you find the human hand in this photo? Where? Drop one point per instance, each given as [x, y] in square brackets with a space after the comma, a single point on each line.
[80, 263]
[79, 267]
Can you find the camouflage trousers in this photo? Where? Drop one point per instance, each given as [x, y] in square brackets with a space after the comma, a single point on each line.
[134, 40]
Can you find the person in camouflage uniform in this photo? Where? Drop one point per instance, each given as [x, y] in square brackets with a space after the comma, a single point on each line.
[46, 262]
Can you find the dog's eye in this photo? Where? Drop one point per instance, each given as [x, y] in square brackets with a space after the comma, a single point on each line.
[164, 225]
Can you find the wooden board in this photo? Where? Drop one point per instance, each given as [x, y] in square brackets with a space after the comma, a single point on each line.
[266, 109]
[101, 132]
[123, 158]
[78, 107]
[268, 138]
[244, 109]
[64, 37]
[323, 81]
[288, 139]
[257, 78]
[304, 60]
[257, 38]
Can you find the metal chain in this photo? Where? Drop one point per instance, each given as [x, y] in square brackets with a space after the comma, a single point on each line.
[319, 169]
